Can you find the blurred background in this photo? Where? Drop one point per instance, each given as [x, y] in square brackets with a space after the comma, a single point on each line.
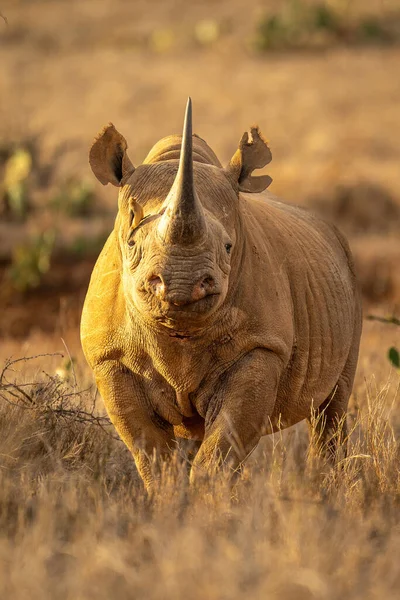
[321, 78]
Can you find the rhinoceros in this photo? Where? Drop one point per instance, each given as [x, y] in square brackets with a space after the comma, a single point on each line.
[216, 312]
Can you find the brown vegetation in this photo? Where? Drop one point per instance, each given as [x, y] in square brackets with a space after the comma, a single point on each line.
[75, 522]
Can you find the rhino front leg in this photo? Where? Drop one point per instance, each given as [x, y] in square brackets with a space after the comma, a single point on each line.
[239, 412]
[148, 436]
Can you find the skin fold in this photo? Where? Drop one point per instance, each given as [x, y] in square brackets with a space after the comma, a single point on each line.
[215, 312]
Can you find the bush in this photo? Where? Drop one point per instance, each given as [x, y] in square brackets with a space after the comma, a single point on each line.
[87, 247]
[75, 198]
[393, 353]
[53, 421]
[300, 24]
[31, 261]
[17, 169]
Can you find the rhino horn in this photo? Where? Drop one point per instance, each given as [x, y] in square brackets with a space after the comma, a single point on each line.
[183, 221]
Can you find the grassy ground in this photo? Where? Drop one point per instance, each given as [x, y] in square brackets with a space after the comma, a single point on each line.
[76, 523]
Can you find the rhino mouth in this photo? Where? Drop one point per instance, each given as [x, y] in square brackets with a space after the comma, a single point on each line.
[189, 313]
[199, 306]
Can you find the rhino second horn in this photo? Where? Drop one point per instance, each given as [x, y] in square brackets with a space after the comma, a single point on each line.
[183, 221]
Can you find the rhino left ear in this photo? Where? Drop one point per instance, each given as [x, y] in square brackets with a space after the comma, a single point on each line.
[253, 153]
[108, 158]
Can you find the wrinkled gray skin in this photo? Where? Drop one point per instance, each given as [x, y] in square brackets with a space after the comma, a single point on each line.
[215, 312]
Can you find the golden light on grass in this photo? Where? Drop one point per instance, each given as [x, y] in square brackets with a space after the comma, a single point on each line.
[75, 521]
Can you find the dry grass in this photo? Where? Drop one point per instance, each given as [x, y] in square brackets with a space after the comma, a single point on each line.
[76, 523]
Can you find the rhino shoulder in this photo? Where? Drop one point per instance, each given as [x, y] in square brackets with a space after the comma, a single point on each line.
[103, 312]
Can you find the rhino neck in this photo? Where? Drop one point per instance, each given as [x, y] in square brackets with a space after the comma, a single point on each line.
[169, 148]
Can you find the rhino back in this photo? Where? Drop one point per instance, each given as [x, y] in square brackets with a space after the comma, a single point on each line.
[303, 265]
[169, 148]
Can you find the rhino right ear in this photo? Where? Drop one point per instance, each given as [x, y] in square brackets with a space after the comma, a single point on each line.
[108, 157]
[253, 153]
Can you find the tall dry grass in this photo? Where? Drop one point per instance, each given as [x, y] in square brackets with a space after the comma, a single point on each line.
[76, 523]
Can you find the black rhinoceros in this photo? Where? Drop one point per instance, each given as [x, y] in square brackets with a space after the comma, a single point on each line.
[215, 312]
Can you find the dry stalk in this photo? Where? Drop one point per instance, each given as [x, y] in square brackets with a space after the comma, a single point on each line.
[51, 395]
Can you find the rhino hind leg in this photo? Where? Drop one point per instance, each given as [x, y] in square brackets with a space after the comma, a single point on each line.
[328, 424]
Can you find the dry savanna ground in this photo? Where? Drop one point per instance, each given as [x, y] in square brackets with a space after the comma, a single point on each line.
[321, 79]
[76, 523]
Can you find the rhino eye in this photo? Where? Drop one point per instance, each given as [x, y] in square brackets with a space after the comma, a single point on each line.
[228, 248]
[130, 241]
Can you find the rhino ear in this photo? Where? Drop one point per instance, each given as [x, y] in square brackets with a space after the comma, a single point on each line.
[108, 157]
[253, 153]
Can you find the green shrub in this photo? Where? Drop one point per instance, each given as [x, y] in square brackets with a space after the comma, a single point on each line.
[393, 353]
[371, 30]
[394, 357]
[84, 246]
[300, 24]
[18, 167]
[31, 261]
[75, 198]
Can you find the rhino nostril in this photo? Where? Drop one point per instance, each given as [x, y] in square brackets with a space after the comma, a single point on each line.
[155, 280]
[202, 288]
[207, 283]
[157, 285]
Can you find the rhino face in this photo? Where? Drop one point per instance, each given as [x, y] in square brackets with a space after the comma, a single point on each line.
[179, 285]
[177, 258]
[178, 225]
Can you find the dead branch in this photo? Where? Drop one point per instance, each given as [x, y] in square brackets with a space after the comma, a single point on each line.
[51, 395]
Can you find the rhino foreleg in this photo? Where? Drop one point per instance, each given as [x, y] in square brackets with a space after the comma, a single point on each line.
[239, 412]
[147, 436]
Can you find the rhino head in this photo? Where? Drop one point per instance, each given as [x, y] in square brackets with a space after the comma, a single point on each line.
[179, 222]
